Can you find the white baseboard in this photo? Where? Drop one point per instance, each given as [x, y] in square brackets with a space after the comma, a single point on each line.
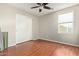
[60, 42]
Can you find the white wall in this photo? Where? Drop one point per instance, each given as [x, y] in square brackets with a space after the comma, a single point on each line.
[49, 27]
[8, 22]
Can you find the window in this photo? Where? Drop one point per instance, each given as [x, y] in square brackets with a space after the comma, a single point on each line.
[65, 23]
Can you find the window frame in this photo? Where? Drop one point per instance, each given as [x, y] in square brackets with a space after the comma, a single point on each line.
[66, 23]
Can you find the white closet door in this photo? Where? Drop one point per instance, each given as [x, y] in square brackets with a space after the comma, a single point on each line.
[23, 28]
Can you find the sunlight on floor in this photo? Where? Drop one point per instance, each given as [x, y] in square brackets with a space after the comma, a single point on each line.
[64, 52]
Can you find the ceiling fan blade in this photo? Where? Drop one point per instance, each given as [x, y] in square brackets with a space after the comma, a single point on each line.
[39, 4]
[44, 4]
[46, 7]
[34, 7]
[40, 10]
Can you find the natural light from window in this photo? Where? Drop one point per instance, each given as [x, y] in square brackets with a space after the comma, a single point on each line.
[65, 23]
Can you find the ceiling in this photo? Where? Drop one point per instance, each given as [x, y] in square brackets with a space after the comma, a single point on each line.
[27, 7]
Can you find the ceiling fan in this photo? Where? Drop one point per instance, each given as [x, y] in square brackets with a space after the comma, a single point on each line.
[42, 5]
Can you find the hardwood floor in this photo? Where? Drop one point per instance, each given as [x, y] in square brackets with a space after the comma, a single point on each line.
[41, 48]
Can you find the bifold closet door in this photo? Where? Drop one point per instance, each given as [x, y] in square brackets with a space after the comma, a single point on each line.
[5, 40]
[23, 28]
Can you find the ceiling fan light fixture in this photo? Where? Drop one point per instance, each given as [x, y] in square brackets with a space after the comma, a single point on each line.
[42, 5]
[40, 10]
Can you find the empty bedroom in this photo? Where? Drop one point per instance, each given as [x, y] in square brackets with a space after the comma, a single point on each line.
[39, 29]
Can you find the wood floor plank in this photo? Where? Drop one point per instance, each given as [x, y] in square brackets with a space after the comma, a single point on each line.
[41, 48]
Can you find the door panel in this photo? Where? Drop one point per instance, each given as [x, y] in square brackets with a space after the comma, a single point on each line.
[23, 28]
